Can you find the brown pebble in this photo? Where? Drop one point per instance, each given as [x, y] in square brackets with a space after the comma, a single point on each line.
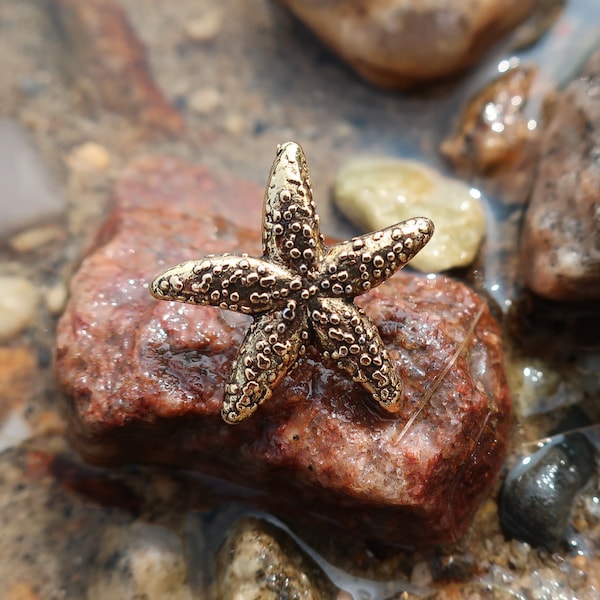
[560, 252]
[495, 132]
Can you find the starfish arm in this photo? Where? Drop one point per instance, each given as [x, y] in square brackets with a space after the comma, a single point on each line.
[291, 234]
[354, 267]
[271, 346]
[345, 334]
[239, 283]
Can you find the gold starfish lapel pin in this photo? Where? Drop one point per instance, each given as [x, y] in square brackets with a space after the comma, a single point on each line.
[299, 292]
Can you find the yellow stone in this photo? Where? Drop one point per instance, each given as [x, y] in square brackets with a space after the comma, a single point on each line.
[377, 192]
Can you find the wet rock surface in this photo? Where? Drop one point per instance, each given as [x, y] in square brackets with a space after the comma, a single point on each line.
[145, 378]
[538, 493]
[402, 44]
[560, 249]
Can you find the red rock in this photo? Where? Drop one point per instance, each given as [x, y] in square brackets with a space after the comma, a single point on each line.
[560, 244]
[109, 63]
[145, 378]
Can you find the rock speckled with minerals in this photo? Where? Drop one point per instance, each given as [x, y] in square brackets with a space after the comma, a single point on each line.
[146, 379]
[258, 561]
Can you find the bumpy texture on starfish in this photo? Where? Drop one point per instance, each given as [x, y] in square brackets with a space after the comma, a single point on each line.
[299, 292]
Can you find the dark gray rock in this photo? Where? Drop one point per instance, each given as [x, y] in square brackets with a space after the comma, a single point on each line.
[538, 493]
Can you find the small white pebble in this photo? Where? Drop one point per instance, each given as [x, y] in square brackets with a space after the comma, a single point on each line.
[204, 101]
[14, 430]
[537, 388]
[421, 575]
[18, 303]
[88, 157]
[206, 27]
[56, 297]
[159, 568]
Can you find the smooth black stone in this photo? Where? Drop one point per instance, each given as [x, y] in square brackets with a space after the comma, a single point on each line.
[538, 493]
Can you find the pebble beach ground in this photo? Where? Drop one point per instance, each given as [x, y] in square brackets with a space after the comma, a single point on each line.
[85, 89]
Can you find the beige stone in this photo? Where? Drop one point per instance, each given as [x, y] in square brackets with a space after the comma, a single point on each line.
[88, 157]
[206, 27]
[150, 564]
[35, 238]
[204, 100]
[56, 298]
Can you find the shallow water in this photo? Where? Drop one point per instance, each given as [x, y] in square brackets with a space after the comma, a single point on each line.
[274, 82]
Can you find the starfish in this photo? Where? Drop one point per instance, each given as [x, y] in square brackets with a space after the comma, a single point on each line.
[299, 292]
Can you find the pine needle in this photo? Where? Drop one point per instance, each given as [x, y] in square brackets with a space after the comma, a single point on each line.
[459, 350]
